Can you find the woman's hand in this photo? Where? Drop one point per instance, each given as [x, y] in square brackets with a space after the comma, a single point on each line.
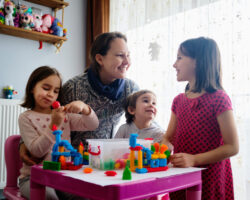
[26, 156]
[78, 107]
[183, 160]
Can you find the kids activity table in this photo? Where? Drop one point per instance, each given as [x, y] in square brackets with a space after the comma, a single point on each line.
[99, 186]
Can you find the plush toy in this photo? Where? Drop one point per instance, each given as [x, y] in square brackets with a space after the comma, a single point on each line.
[37, 20]
[26, 21]
[47, 23]
[9, 10]
[2, 18]
[56, 28]
[21, 9]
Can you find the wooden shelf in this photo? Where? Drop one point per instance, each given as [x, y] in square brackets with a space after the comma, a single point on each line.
[32, 35]
[50, 3]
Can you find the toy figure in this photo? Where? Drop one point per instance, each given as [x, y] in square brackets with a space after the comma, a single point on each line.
[2, 18]
[9, 10]
[65, 32]
[37, 20]
[56, 28]
[9, 92]
[26, 21]
[47, 23]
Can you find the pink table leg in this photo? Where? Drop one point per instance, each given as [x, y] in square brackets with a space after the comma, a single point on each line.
[194, 193]
[37, 191]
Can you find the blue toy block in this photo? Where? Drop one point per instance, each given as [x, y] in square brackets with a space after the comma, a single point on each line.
[162, 162]
[132, 139]
[141, 171]
[154, 163]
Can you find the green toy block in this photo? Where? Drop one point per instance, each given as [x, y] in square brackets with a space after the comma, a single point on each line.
[85, 157]
[55, 166]
[127, 175]
[167, 153]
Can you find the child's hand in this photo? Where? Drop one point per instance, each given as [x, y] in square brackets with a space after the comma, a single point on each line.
[183, 160]
[78, 107]
[57, 116]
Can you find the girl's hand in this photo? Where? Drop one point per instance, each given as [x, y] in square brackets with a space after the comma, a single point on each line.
[183, 160]
[57, 116]
[78, 107]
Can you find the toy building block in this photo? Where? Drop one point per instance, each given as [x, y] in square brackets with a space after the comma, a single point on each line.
[56, 104]
[126, 174]
[55, 166]
[87, 170]
[110, 173]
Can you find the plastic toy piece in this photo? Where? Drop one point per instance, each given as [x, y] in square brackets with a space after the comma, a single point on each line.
[110, 173]
[87, 170]
[55, 166]
[58, 152]
[81, 148]
[56, 104]
[148, 160]
[94, 153]
[127, 175]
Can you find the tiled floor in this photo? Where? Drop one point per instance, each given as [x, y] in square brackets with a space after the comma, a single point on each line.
[1, 194]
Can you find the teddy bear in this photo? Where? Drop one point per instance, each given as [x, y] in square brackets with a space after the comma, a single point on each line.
[9, 10]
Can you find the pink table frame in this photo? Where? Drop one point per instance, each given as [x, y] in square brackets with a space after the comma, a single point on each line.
[130, 190]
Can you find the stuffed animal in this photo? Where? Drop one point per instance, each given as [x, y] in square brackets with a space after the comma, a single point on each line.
[47, 23]
[56, 28]
[37, 20]
[26, 21]
[9, 10]
[2, 18]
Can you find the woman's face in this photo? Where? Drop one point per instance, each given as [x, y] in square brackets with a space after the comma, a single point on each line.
[115, 63]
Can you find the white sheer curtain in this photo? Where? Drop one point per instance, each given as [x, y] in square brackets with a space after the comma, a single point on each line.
[155, 28]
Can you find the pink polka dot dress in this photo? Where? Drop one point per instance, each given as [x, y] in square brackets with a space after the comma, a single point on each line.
[198, 132]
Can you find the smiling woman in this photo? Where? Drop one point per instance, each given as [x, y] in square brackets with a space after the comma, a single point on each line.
[104, 86]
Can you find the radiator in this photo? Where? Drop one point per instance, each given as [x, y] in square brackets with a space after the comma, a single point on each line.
[9, 112]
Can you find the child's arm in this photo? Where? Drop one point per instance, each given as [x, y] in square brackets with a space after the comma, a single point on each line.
[168, 137]
[231, 145]
[87, 121]
[36, 142]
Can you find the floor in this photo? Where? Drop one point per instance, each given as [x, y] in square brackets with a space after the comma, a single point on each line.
[1, 194]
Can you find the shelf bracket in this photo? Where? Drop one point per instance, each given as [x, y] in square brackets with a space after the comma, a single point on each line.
[58, 45]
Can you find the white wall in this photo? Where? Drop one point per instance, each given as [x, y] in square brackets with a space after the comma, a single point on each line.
[19, 57]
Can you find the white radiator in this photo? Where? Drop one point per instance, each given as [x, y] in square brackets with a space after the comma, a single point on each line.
[9, 112]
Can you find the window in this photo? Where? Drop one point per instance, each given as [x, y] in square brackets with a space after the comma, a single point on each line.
[155, 28]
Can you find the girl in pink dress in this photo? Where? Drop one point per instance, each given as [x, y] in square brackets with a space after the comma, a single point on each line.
[202, 128]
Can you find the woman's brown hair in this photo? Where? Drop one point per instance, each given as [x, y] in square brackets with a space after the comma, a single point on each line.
[101, 45]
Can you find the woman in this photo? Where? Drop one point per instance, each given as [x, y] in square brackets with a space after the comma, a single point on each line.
[103, 86]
